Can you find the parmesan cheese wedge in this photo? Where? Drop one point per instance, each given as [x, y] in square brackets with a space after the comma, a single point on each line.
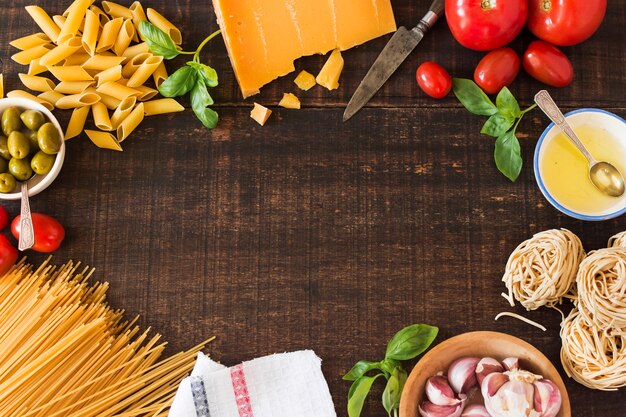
[260, 114]
[289, 101]
[331, 71]
[305, 81]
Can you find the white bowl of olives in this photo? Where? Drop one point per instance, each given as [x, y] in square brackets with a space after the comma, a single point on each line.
[32, 147]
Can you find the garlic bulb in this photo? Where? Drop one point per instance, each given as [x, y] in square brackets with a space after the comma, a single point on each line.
[475, 410]
[487, 366]
[462, 374]
[518, 393]
[439, 392]
[428, 409]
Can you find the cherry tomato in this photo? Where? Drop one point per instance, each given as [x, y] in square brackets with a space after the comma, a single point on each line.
[484, 25]
[497, 69]
[4, 218]
[434, 80]
[8, 255]
[565, 22]
[49, 233]
[548, 64]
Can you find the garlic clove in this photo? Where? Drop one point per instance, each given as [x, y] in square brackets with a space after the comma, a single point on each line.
[548, 399]
[515, 398]
[428, 409]
[439, 392]
[462, 374]
[492, 383]
[511, 364]
[475, 410]
[487, 366]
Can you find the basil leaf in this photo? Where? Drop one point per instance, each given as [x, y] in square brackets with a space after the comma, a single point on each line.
[497, 125]
[158, 41]
[358, 393]
[206, 72]
[507, 104]
[359, 369]
[472, 97]
[200, 99]
[179, 83]
[411, 341]
[508, 155]
[388, 365]
[393, 390]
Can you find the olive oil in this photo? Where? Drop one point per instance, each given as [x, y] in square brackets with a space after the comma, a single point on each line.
[565, 172]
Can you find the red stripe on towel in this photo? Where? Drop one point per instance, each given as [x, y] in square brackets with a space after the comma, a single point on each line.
[240, 388]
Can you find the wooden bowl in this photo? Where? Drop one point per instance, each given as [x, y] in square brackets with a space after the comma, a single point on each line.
[477, 344]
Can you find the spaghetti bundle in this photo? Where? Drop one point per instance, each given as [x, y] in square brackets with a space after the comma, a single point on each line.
[64, 352]
[594, 357]
[542, 270]
[618, 240]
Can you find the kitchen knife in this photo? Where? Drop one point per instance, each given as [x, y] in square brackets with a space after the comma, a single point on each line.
[396, 51]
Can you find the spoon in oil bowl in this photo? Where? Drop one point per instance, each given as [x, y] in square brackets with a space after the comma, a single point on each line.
[603, 175]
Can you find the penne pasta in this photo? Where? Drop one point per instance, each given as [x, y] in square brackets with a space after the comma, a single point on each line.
[36, 83]
[124, 38]
[30, 41]
[25, 94]
[122, 111]
[70, 73]
[101, 62]
[43, 20]
[91, 32]
[26, 56]
[116, 10]
[147, 93]
[1, 86]
[60, 21]
[131, 66]
[165, 25]
[103, 140]
[86, 98]
[64, 50]
[136, 10]
[117, 90]
[101, 116]
[162, 106]
[35, 68]
[109, 34]
[51, 96]
[73, 87]
[145, 70]
[160, 75]
[130, 123]
[76, 59]
[110, 102]
[74, 19]
[103, 19]
[77, 122]
[133, 51]
[111, 74]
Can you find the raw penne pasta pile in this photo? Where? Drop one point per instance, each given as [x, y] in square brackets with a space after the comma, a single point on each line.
[100, 67]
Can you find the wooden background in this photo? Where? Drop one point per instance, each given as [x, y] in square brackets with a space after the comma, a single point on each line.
[312, 233]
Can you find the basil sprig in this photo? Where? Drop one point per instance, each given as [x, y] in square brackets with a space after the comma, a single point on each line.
[194, 78]
[404, 345]
[504, 117]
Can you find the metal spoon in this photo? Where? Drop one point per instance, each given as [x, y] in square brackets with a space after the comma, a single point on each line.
[603, 175]
[27, 234]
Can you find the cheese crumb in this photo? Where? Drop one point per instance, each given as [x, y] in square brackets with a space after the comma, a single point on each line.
[289, 101]
[305, 81]
[330, 73]
[260, 114]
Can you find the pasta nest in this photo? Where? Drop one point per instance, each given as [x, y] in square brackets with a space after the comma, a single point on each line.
[601, 284]
[594, 357]
[618, 240]
[541, 271]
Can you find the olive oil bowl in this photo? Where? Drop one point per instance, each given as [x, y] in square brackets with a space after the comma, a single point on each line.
[37, 183]
[562, 172]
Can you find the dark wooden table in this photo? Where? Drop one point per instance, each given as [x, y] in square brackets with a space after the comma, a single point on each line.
[312, 233]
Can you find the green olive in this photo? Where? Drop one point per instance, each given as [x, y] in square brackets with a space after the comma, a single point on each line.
[34, 143]
[48, 138]
[32, 119]
[11, 120]
[20, 169]
[7, 183]
[4, 148]
[18, 144]
[42, 163]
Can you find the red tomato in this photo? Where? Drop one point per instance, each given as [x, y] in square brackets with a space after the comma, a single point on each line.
[48, 232]
[548, 64]
[4, 218]
[486, 24]
[565, 22]
[434, 80]
[8, 255]
[497, 69]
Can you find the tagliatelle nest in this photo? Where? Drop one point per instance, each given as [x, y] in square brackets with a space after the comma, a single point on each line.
[594, 357]
[618, 240]
[541, 271]
[601, 284]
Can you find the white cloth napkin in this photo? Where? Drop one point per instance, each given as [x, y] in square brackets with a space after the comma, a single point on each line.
[281, 385]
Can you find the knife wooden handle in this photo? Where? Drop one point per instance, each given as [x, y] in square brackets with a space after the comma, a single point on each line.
[434, 13]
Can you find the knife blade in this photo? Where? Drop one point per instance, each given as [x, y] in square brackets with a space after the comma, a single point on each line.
[399, 47]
